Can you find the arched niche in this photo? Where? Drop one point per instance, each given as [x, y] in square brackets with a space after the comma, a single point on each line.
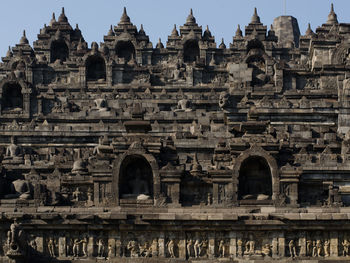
[58, 50]
[95, 68]
[126, 169]
[135, 178]
[255, 180]
[191, 50]
[125, 49]
[12, 97]
[258, 64]
[244, 171]
[255, 44]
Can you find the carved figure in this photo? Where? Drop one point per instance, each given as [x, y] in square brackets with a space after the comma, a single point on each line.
[76, 247]
[100, 248]
[292, 249]
[183, 105]
[13, 150]
[326, 248]
[266, 250]
[51, 247]
[77, 195]
[222, 249]
[171, 248]
[224, 100]
[22, 189]
[309, 248]
[239, 248]
[346, 245]
[33, 244]
[110, 251]
[250, 246]
[133, 248]
[154, 248]
[197, 248]
[319, 247]
[314, 249]
[189, 247]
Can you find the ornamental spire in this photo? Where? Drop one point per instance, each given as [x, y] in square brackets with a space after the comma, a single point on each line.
[255, 17]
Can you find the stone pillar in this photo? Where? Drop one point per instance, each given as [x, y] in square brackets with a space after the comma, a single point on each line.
[161, 245]
[40, 243]
[215, 194]
[91, 246]
[40, 106]
[118, 246]
[233, 242]
[211, 244]
[281, 245]
[109, 75]
[97, 193]
[334, 244]
[275, 246]
[302, 244]
[175, 194]
[62, 245]
[182, 245]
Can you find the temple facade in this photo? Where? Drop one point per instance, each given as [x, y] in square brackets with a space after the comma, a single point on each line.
[185, 151]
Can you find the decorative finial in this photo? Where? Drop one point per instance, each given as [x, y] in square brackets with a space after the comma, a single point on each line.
[24, 39]
[62, 17]
[110, 32]
[222, 45]
[159, 44]
[332, 17]
[190, 19]
[309, 31]
[53, 19]
[239, 31]
[9, 53]
[142, 31]
[255, 18]
[174, 33]
[207, 33]
[125, 18]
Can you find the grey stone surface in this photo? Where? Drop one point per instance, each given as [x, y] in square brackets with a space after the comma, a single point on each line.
[186, 151]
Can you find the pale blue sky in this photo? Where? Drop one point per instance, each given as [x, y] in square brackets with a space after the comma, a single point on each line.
[157, 16]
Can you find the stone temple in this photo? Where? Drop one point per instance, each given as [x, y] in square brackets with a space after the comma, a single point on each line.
[187, 151]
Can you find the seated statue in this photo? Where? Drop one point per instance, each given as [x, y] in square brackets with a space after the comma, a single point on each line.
[183, 105]
[100, 105]
[13, 153]
[22, 189]
[13, 150]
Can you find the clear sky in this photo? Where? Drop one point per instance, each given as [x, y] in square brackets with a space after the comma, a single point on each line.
[158, 16]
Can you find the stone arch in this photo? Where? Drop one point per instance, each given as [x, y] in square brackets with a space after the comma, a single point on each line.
[11, 96]
[257, 61]
[255, 44]
[120, 166]
[191, 50]
[58, 50]
[95, 68]
[125, 49]
[257, 153]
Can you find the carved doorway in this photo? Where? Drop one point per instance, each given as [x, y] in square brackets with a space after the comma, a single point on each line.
[255, 180]
[135, 179]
